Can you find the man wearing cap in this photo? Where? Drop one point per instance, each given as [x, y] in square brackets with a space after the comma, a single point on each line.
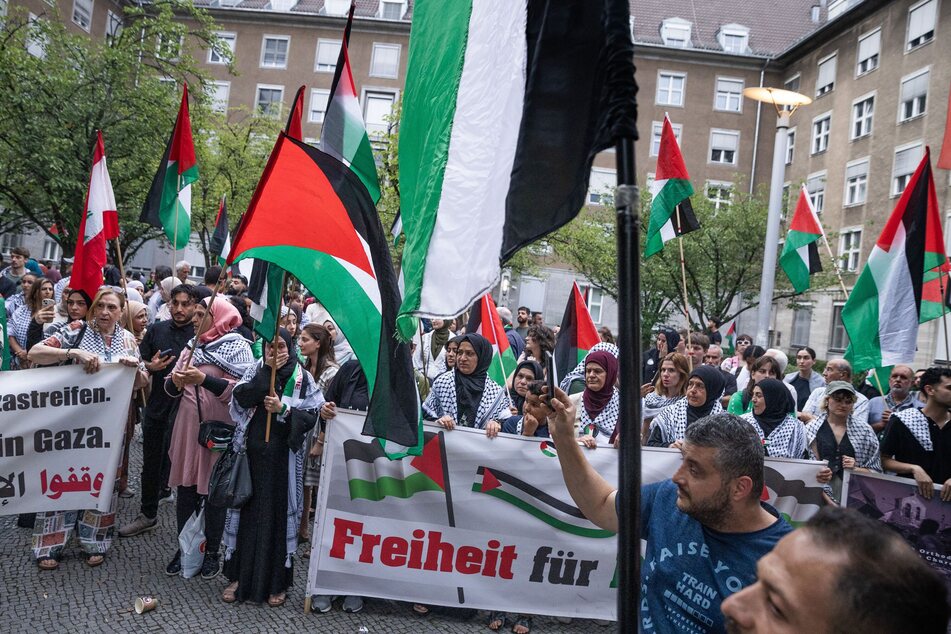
[836, 370]
[899, 397]
[917, 443]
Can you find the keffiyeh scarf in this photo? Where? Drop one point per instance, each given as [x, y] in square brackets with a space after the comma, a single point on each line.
[442, 401]
[229, 352]
[672, 421]
[862, 437]
[605, 422]
[788, 440]
[917, 424]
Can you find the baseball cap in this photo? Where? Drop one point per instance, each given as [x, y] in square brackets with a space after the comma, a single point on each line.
[839, 386]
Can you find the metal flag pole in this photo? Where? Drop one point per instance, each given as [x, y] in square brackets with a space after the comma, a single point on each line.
[683, 279]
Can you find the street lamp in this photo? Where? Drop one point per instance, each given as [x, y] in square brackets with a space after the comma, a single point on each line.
[786, 102]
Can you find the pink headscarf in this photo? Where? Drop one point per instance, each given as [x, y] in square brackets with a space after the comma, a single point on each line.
[224, 318]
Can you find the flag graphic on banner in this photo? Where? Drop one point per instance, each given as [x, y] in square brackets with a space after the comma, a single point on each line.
[373, 476]
[800, 257]
[671, 212]
[99, 224]
[484, 319]
[791, 488]
[577, 335]
[168, 204]
[728, 337]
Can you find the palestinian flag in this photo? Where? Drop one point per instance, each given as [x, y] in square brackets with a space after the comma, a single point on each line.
[728, 337]
[884, 309]
[220, 242]
[266, 292]
[373, 476]
[484, 319]
[296, 116]
[577, 335]
[396, 229]
[504, 108]
[671, 212]
[340, 254]
[796, 499]
[800, 257]
[935, 294]
[168, 205]
[5, 344]
[98, 225]
[556, 513]
[343, 134]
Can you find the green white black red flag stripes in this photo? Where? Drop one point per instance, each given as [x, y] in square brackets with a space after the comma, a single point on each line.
[220, 243]
[265, 290]
[671, 212]
[800, 257]
[728, 337]
[373, 476]
[577, 335]
[168, 205]
[884, 309]
[505, 105]
[484, 319]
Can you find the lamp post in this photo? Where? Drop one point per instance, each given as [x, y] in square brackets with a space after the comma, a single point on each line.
[781, 100]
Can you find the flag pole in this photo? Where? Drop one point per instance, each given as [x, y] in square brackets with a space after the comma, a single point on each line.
[835, 264]
[277, 327]
[175, 242]
[683, 277]
[204, 319]
[125, 290]
[944, 315]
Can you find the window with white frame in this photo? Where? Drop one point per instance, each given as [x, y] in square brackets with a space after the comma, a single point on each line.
[850, 248]
[921, 24]
[169, 48]
[718, 193]
[670, 88]
[734, 38]
[274, 51]
[390, 10]
[856, 182]
[594, 298]
[839, 337]
[863, 111]
[729, 95]
[228, 39]
[35, 40]
[336, 7]
[220, 92]
[825, 79]
[790, 145]
[801, 324]
[723, 146]
[792, 83]
[113, 26]
[816, 188]
[649, 180]
[601, 186]
[821, 127]
[906, 162]
[676, 32]
[269, 99]
[657, 128]
[787, 188]
[377, 106]
[9, 241]
[82, 13]
[51, 249]
[327, 53]
[914, 95]
[318, 105]
[869, 49]
[385, 61]
[4, 7]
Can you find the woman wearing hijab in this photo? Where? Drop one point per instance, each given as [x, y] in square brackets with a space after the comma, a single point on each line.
[704, 388]
[574, 381]
[763, 368]
[467, 396]
[526, 373]
[342, 350]
[261, 537]
[669, 387]
[221, 357]
[430, 355]
[773, 417]
[665, 343]
[597, 406]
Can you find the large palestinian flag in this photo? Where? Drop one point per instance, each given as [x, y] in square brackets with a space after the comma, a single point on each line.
[340, 254]
[671, 212]
[577, 335]
[99, 224]
[373, 476]
[504, 108]
[884, 309]
[800, 257]
[168, 205]
[484, 319]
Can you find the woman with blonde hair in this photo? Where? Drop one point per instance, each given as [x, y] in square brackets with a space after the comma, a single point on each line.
[669, 387]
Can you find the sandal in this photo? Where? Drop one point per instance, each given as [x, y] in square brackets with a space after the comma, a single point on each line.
[525, 622]
[277, 600]
[229, 595]
[47, 563]
[420, 610]
[497, 621]
[94, 560]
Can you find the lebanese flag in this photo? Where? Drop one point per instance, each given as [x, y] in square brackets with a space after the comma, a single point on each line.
[484, 319]
[344, 133]
[220, 242]
[100, 223]
[671, 212]
[341, 256]
[800, 257]
[577, 334]
[884, 309]
[168, 205]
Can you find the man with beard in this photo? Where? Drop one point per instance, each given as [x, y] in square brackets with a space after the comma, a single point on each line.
[162, 344]
[899, 397]
[523, 318]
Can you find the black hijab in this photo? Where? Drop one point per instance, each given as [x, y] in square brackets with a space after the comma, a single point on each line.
[285, 371]
[778, 405]
[469, 387]
[536, 369]
[714, 382]
[673, 338]
[348, 388]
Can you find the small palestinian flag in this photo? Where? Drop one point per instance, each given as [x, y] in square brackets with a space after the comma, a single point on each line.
[671, 212]
[800, 257]
[526, 497]
[935, 294]
[577, 335]
[484, 319]
[728, 337]
[265, 290]
[373, 476]
[220, 242]
[548, 449]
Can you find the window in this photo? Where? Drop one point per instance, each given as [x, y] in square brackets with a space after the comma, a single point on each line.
[82, 13]
[327, 53]
[274, 51]
[866, 60]
[801, 324]
[51, 249]
[113, 26]
[36, 40]
[787, 187]
[914, 95]
[594, 298]
[718, 193]
[839, 339]
[336, 7]
[219, 92]
[670, 88]
[8, 241]
[825, 80]
[792, 83]
[601, 186]
[906, 162]
[377, 106]
[790, 145]
[821, 126]
[729, 95]
[676, 32]
[169, 48]
[385, 61]
[734, 38]
[723, 146]
[229, 41]
[863, 109]
[318, 105]
[856, 182]
[816, 188]
[921, 22]
[392, 10]
[850, 248]
[656, 129]
[269, 99]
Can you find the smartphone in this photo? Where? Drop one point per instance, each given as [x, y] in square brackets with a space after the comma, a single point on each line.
[550, 375]
[166, 353]
[49, 301]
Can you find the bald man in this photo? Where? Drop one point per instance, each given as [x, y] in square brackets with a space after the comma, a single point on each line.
[836, 370]
[899, 397]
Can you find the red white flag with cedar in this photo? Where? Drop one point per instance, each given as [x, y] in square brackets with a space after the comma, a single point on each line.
[100, 223]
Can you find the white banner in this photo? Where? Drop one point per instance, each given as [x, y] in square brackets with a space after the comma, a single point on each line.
[61, 437]
[482, 523]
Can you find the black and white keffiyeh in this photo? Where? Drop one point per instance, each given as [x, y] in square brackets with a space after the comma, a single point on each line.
[653, 404]
[672, 421]
[19, 324]
[788, 440]
[442, 402]
[578, 373]
[604, 422]
[862, 437]
[230, 352]
[917, 424]
[89, 339]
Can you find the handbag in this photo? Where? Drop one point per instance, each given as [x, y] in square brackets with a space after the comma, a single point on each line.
[214, 435]
[229, 485]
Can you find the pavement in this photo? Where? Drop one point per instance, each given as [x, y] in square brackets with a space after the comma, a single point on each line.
[76, 598]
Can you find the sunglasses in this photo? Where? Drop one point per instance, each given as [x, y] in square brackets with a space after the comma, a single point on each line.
[843, 397]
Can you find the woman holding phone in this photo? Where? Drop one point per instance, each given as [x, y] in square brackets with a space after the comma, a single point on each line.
[39, 307]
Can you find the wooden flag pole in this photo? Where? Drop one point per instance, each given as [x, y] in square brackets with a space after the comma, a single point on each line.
[683, 277]
[204, 319]
[277, 327]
